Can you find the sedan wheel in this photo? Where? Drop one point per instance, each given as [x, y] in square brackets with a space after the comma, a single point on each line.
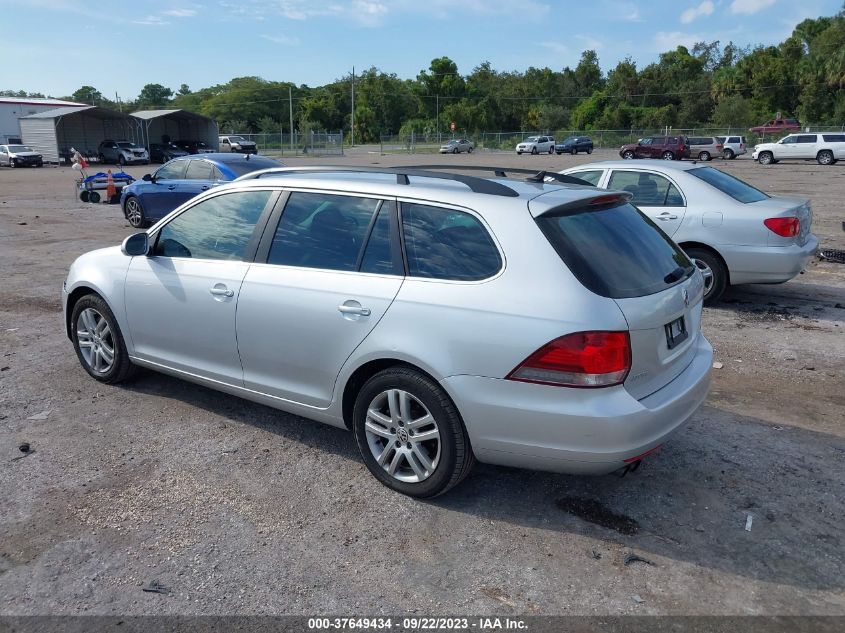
[134, 212]
[97, 340]
[712, 270]
[410, 434]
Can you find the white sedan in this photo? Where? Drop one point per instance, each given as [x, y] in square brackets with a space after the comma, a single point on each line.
[734, 233]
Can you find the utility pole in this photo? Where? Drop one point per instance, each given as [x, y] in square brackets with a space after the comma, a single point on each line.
[352, 143]
[290, 107]
[437, 119]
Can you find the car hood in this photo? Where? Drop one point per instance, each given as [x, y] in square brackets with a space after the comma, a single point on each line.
[24, 154]
[630, 146]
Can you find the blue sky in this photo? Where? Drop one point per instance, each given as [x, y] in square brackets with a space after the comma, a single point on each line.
[56, 46]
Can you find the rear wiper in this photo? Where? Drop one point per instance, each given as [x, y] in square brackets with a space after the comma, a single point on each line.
[675, 275]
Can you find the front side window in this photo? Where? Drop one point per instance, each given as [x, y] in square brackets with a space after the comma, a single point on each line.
[216, 228]
[789, 140]
[171, 171]
[650, 190]
[447, 244]
[319, 230]
[646, 141]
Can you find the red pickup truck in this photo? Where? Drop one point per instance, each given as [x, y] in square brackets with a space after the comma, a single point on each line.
[776, 126]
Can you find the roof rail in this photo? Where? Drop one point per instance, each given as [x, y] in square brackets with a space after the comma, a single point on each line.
[478, 185]
[502, 172]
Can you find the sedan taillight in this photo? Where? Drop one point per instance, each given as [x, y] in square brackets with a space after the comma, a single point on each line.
[785, 227]
[582, 359]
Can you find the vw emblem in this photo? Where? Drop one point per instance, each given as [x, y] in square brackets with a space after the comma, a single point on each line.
[686, 297]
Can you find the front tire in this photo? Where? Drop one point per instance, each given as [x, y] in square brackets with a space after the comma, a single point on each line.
[575, 151]
[121, 160]
[766, 158]
[825, 157]
[714, 272]
[589, 150]
[628, 155]
[135, 213]
[705, 156]
[534, 150]
[410, 434]
[98, 341]
[469, 150]
[551, 150]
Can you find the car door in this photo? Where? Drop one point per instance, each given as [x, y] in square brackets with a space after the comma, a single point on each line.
[199, 176]
[643, 149]
[653, 194]
[160, 195]
[787, 148]
[181, 299]
[4, 155]
[806, 146]
[330, 268]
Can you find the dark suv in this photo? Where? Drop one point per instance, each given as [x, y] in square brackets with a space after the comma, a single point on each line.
[575, 144]
[665, 147]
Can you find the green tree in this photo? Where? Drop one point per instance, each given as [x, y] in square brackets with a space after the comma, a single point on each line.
[154, 96]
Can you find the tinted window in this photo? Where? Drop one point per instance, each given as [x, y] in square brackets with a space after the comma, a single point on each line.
[616, 252]
[378, 255]
[591, 177]
[807, 138]
[650, 190]
[241, 165]
[834, 138]
[172, 171]
[200, 170]
[734, 187]
[447, 244]
[319, 230]
[216, 228]
[789, 140]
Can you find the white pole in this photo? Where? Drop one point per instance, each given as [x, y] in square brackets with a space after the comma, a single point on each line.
[290, 106]
[352, 138]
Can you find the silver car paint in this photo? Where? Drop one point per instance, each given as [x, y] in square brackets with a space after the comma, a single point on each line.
[733, 229]
[467, 335]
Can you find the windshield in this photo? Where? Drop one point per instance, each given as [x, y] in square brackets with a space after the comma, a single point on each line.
[571, 139]
[241, 166]
[616, 252]
[126, 144]
[236, 138]
[732, 186]
[532, 139]
[19, 148]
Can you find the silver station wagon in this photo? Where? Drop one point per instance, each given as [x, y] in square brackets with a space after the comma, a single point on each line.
[442, 318]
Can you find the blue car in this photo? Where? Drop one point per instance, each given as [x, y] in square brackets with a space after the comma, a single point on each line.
[150, 199]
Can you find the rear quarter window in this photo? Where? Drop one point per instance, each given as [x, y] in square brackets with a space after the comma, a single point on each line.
[834, 138]
[734, 187]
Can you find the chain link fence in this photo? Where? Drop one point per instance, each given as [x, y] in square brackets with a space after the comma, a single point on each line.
[602, 139]
[297, 144]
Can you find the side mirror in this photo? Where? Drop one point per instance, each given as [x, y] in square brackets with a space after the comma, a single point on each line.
[135, 245]
[147, 178]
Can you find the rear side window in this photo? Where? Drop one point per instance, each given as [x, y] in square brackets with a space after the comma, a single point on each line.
[591, 177]
[650, 190]
[447, 244]
[734, 187]
[616, 252]
[807, 138]
[200, 170]
[320, 230]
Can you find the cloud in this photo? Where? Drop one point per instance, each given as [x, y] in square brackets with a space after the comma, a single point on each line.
[749, 7]
[283, 40]
[669, 41]
[181, 13]
[151, 20]
[556, 47]
[590, 42]
[705, 8]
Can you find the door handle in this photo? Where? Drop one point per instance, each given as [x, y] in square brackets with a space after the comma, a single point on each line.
[345, 309]
[172, 187]
[205, 187]
[667, 216]
[222, 292]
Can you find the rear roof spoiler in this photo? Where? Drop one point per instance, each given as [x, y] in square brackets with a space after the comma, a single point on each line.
[605, 200]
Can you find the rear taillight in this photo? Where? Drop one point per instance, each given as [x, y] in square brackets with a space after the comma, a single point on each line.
[785, 227]
[719, 146]
[582, 359]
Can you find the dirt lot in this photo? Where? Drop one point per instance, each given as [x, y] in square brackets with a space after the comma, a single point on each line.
[238, 508]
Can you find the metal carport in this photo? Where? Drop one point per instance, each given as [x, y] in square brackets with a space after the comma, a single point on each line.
[54, 132]
[155, 125]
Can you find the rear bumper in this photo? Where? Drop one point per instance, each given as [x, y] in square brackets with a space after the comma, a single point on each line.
[591, 431]
[768, 264]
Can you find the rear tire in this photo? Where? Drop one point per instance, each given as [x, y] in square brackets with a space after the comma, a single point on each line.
[98, 341]
[729, 154]
[714, 272]
[386, 409]
[825, 157]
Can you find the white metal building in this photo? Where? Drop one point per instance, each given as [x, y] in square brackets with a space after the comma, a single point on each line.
[54, 132]
[155, 125]
[13, 108]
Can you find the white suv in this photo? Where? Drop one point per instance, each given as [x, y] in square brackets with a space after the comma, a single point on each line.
[537, 145]
[441, 318]
[733, 146]
[825, 148]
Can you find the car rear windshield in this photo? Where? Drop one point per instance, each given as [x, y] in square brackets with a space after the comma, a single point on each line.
[242, 166]
[734, 187]
[616, 252]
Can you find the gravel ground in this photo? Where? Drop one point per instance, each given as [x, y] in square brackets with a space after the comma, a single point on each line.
[240, 509]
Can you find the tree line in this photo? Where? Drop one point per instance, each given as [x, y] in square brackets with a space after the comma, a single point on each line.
[708, 84]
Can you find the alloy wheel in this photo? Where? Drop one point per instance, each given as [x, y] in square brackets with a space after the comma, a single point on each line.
[403, 436]
[96, 342]
[133, 213]
[707, 274]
